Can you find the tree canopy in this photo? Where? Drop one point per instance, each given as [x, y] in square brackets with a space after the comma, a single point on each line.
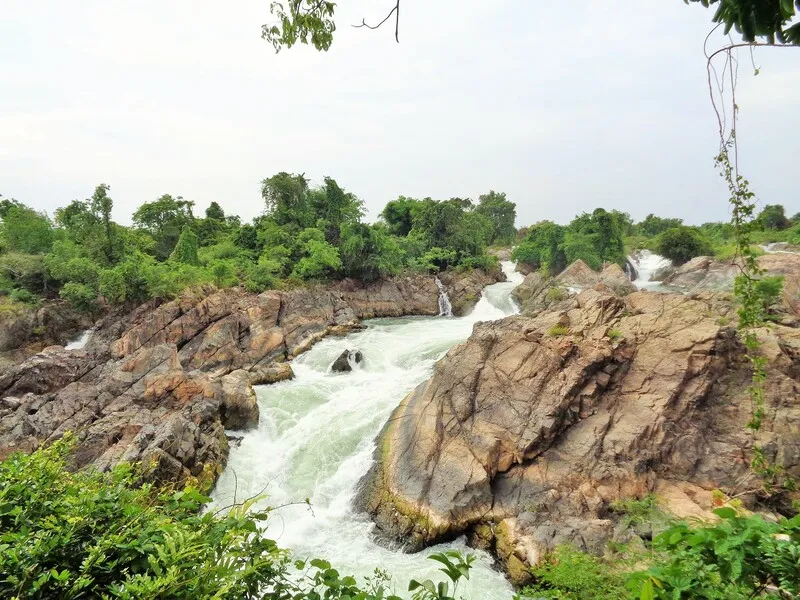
[306, 232]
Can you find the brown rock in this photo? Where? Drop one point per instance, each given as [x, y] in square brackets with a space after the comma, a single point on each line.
[518, 422]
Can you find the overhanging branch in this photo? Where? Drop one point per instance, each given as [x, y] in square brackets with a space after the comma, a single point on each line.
[396, 12]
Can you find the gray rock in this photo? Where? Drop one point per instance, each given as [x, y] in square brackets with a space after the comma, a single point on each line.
[344, 363]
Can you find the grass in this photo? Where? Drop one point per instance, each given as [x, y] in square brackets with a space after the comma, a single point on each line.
[558, 330]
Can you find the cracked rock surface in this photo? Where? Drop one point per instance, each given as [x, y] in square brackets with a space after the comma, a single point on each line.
[531, 436]
[162, 384]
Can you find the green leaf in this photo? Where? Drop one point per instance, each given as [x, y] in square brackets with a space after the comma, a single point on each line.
[725, 512]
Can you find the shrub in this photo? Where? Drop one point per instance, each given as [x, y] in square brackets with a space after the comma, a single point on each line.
[615, 334]
[107, 535]
[681, 244]
[572, 575]
[556, 294]
[740, 557]
[558, 330]
[22, 296]
[80, 296]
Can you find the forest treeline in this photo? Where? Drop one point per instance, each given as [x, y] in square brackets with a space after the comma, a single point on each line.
[305, 233]
[310, 233]
[610, 236]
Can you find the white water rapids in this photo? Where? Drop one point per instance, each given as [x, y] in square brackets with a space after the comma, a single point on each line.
[647, 263]
[316, 437]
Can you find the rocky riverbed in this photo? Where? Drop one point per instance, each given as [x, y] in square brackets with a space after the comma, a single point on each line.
[529, 432]
[161, 384]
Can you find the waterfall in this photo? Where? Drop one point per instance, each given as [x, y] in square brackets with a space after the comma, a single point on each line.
[316, 439]
[80, 341]
[628, 270]
[646, 265]
[445, 308]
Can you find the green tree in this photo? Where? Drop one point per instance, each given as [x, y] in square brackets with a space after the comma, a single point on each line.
[399, 215]
[773, 216]
[186, 249]
[543, 247]
[164, 219]
[652, 225]
[334, 207]
[214, 211]
[318, 257]
[502, 213]
[101, 205]
[25, 230]
[681, 244]
[286, 200]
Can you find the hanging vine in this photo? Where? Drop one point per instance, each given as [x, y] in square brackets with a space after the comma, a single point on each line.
[751, 284]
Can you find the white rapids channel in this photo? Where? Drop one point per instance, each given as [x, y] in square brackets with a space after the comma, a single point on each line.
[316, 437]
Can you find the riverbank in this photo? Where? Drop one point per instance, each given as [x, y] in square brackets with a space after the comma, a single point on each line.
[161, 384]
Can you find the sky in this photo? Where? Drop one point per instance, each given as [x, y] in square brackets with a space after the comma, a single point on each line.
[562, 106]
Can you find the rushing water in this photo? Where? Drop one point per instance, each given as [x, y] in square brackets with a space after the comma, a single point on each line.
[80, 341]
[647, 264]
[315, 440]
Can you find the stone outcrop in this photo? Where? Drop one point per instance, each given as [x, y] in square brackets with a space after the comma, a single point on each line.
[704, 274]
[527, 433]
[161, 384]
[580, 275]
[538, 292]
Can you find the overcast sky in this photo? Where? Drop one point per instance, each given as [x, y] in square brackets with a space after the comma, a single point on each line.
[563, 106]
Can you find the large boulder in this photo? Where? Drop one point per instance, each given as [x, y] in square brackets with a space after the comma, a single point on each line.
[580, 275]
[541, 428]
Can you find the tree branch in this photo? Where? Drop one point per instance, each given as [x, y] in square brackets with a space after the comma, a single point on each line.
[396, 12]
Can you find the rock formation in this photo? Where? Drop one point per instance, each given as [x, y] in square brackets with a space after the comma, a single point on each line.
[528, 432]
[345, 361]
[160, 385]
[703, 273]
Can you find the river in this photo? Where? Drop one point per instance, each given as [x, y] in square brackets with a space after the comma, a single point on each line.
[316, 436]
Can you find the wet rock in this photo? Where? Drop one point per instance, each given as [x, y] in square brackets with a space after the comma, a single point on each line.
[645, 393]
[344, 363]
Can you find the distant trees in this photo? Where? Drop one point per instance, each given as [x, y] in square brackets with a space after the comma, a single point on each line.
[595, 238]
[773, 216]
[306, 232]
[164, 219]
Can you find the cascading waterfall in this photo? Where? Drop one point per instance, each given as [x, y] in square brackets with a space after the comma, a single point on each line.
[647, 263]
[445, 308]
[316, 439]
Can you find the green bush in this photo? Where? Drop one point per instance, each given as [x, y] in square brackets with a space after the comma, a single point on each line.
[572, 575]
[740, 557]
[23, 296]
[108, 535]
[681, 244]
[558, 330]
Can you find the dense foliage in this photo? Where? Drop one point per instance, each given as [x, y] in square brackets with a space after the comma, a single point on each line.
[595, 238]
[106, 535]
[305, 233]
[681, 244]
